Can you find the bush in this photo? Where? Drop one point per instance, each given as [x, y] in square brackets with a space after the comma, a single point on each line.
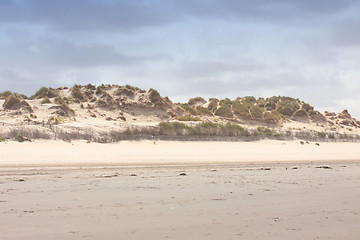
[41, 93]
[3, 139]
[224, 111]
[193, 101]
[172, 128]
[188, 108]
[76, 93]
[250, 99]
[12, 102]
[203, 111]
[272, 117]
[300, 113]
[266, 131]
[287, 106]
[45, 100]
[307, 107]
[242, 109]
[213, 104]
[188, 118]
[256, 112]
[6, 94]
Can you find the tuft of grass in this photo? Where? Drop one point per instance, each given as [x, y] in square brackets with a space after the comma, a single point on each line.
[3, 139]
[76, 93]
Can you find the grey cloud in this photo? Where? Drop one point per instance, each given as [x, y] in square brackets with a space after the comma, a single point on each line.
[87, 15]
[346, 33]
[96, 15]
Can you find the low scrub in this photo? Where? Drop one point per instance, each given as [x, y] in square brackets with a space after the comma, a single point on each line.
[188, 118]
[224, 111]
[196, 100]
[12, 102]
[45, 100]
[76, 93]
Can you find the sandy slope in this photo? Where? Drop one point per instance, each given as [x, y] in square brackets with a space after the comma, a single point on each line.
[58, 153]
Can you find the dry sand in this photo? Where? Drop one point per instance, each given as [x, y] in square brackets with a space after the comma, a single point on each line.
[58, 153]
[136, 190]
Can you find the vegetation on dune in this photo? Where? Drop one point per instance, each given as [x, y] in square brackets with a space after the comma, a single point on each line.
[203, 129]
[44, 92]
[11, 102]
[45, 100]
[188, 118]
[213, 105]
[154, 96]
[6, 94]
[76, 93]
[202, 111]
[188, 108]
[196, 100]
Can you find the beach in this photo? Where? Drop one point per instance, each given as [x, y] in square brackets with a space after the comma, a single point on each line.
[136, 153]
[177, 190]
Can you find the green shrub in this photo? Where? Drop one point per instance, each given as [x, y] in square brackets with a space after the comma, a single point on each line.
[250, 99]
[60, 100]
[307, 107]
[266, 131]
[203, 111]
[193, 101]
[213, 104]
[287, 108]
[188, 108]
[3, 139]
[272, 117]
[225, 102]
[172, 128]
[256, 112]
[45, 100]
[224, 111]
[242, 109]
[188, 118]
[41, 93]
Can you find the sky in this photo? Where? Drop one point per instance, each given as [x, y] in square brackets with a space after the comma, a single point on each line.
[186, 48]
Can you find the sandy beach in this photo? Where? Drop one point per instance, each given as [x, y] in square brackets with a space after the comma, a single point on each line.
[177, 190]
[134, 153]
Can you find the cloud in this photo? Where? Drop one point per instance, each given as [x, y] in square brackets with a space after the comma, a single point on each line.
[306, 49]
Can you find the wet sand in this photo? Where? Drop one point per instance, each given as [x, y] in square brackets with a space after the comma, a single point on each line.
[297, 200]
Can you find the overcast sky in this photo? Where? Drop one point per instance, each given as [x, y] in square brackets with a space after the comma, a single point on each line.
[185, 48]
